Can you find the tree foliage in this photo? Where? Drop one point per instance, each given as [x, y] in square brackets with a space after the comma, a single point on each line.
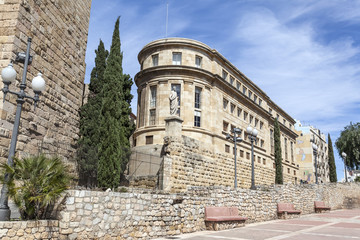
[278, 157]
[88, 143]
[115, 126]
[331, 161]
[349, 143]
[35, 184]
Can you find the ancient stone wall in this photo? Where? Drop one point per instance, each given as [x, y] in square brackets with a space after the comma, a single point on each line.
[29, 230]
[59, 36]
[146, 214]
[189, 162]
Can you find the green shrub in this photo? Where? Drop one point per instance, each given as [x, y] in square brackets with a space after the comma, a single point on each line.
[35, 184]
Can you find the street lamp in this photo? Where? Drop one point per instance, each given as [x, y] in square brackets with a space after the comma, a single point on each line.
[235, 139]
[8, 75]
[344, 157]
[252, 132]
[315, 148]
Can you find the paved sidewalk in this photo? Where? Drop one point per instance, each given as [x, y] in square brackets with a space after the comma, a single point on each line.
[334, 225]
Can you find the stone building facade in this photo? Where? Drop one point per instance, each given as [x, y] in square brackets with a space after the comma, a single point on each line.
[213, 98]
[305, 155]
[59, 36]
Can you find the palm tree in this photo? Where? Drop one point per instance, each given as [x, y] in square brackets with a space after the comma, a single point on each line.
[35, 183]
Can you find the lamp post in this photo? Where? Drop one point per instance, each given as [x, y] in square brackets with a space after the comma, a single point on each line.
[235, 139]
[344, 157]
[252, 132]
[315, 148]
[8, 75]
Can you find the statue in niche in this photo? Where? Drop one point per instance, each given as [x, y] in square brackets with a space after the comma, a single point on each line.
[173, 102]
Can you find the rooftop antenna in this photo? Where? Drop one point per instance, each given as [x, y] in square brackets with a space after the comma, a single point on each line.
[167, 18]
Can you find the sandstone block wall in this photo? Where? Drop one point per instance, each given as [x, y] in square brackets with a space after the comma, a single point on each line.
[59, 37]
[146, 214]
[189, 162]
[29, 230]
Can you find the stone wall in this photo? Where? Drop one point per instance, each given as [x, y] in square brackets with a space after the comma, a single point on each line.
[59, 36]
[189, 162]
[146, 214]
[29, 230]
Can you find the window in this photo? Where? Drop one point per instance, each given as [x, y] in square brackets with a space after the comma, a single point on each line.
[294, 172]
[261, 124]
[247, 155]
[152, 116]
[251, 118]
[288, 170]
[250, 94]
[270, 111]
[198, 61]
[232, 127]
[224, 74]
[241, 153]
[262, 143]
[260, 101]
[244, 90]
[284, 121]
[197, 97]
[273, 165]
[259, 159]
[277, 116]
[232, 79]
[272, 140]
[245, 116]
[255, 98]
[176, 58]
[149, 139]
[256, 122]
[238, 85]
[264, 161]
[225, 103]
[232, 108]
[286, 152]
[197, 118]
[177, 88]
[239, 111]
[227, 148]
[155, 60]
[225, 126]
[153, 96]
[292, 151]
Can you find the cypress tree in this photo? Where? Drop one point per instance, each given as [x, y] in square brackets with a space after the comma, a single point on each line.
[332, 166]
[114, 132]
[278, 157]
[87, 149]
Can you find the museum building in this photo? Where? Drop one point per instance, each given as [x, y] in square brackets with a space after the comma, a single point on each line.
[213, 98]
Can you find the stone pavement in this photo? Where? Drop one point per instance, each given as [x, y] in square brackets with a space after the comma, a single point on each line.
[334, 225]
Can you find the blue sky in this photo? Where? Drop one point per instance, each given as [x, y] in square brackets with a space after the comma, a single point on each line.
[305, 54]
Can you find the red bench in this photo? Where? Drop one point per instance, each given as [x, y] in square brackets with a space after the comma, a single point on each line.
[320, 206]
[283, 209]
[220, 218]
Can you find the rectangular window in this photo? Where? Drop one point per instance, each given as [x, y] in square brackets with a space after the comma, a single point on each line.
[247, 155]
[149, 139]
[176, 58]
[272, 140]
[198, 61]
[177, 88]
[251, 118]
[232, 79]
[232, 108]
[197, 118]
[288, 170]
[225, 126]
[286, 152]
[250, 94]
[224, 74]
[245, 116]
[197, 97]
[261, 125]
[152, 117]
[294, 172]
[284, 121]
[241, 153]
[270, 111]
[255, 98]
[256, 122]
[227, 148]
[225, 103]
[238, 85]
[239, 111]
[260, 101]
[153, 96]
[259, 159]
[155, 60]
[262, 143]
[232, 127]
[264, 161]
[277, 116]
[244, 90]
[292, 151]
